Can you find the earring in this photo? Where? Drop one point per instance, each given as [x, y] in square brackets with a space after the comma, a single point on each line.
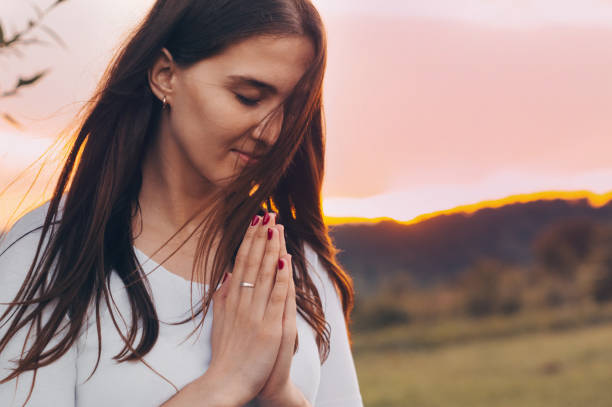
[164, 103]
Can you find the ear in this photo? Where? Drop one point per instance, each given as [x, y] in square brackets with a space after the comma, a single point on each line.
[161, 76]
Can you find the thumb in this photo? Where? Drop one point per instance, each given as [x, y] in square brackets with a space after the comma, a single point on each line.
[218, 309]
[221, 294]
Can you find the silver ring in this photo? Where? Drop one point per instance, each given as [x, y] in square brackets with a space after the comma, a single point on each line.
[245, 284]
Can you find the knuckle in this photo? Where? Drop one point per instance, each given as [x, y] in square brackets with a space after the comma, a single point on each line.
[252, 262]
[272, 246]
[246, 240]
[261, 232]
[277, 296]
[266, 274]
[282, 278]
[250, 232]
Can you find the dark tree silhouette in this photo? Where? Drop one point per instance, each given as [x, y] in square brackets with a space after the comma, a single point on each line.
[27, 36]
[563, 246]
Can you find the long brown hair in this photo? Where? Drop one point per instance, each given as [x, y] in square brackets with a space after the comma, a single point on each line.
[88, 224]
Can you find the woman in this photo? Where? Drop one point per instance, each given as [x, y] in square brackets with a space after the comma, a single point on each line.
[210, 113]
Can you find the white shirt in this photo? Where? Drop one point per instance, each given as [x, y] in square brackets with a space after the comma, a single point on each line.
[176, 357]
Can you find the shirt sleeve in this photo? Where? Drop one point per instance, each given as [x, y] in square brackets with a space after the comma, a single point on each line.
[55, 383]
[338, 385]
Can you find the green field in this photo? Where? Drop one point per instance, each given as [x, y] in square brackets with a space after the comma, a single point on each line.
[563, 368]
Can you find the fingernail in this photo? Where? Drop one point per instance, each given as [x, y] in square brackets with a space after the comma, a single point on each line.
[266, 218]
[270, 232]
[255, 220]
[281, 264]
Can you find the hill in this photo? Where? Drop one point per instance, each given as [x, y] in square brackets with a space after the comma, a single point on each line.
[439, 248]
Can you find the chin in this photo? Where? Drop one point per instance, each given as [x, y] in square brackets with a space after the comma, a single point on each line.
[226, 179]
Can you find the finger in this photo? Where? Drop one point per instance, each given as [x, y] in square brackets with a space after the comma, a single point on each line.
[276, 302]
[225, 284]
[289, 317]
[218, 309]
[282, 366]
[292, 309]
[257, 249]
[261, 245]
[266, 277]
[218, 300]
[283, 244]
[240, 263]
[292, 300]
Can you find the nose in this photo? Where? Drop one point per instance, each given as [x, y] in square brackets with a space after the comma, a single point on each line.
[268, 129]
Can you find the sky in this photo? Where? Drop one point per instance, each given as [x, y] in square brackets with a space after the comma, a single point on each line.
[429, 105]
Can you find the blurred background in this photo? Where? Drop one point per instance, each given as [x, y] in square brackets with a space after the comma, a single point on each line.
[468, 180]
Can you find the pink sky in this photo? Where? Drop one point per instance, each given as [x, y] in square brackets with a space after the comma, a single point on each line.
[429, 105]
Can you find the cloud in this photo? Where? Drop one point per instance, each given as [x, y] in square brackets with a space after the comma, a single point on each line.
[408, 203]
[499, 13]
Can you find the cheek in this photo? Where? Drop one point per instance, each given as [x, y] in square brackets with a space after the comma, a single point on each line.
[207, 128]
[205, 122]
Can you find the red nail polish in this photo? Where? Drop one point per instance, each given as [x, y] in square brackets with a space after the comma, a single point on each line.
[266, 218]
[281, 264]
[270, 232]
[255, 220]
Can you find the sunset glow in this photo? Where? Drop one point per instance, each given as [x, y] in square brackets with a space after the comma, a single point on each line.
[431, 108]
[595, 200]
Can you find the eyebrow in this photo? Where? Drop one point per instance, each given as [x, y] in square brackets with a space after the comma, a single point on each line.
[249, 80]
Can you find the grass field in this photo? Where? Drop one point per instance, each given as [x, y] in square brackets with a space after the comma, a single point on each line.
[562, 368]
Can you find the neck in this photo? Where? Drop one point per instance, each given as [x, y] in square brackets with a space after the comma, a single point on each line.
[172, 189]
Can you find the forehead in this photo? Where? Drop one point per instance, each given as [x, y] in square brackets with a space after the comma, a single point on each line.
[279, 61]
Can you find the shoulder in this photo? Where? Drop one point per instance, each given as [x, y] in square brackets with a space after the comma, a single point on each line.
[25, 232]
[18, 249]
[28, 228]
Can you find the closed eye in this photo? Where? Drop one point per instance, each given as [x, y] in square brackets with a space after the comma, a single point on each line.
[246, 101]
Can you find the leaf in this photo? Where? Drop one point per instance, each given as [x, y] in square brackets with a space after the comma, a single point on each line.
[15, 38]
[53, 35]
[12, 121]
[31, 80]
[38, 11]
[8, 93]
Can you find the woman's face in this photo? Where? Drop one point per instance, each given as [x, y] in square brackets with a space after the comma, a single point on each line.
[218, 105]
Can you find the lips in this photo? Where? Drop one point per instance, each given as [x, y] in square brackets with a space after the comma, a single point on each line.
[247, 157]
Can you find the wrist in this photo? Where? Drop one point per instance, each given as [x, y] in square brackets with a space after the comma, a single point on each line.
[220, 392]
[289, 396]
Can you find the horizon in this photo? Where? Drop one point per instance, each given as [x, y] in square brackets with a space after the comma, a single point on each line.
[592, 199]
